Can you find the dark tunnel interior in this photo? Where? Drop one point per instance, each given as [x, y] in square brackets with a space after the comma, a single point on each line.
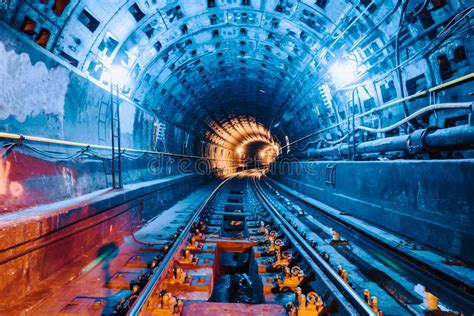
[334, 136]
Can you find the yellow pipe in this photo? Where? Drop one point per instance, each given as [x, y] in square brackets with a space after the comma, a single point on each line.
[10, 136]
[391, 103]
[452, 82]
[82, 145]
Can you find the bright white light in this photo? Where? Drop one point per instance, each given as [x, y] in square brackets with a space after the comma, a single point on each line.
[344, 72]
[262, 154]
[119, 75]
[240, 150]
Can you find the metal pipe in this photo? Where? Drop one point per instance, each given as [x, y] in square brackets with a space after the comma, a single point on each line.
[433, 107]
[423, 93]
[418, 141]
[454, 136]
[383, 145]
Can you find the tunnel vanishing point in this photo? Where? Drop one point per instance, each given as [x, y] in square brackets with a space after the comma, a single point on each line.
[236, 157]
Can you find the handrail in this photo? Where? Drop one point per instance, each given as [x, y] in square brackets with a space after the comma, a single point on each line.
[46, 140]
[389, 104]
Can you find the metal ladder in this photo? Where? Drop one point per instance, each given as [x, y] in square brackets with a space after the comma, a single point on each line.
[102, 119]
[114, 103]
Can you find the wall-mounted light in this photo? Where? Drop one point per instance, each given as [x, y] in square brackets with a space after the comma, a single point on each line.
[119, 75]
[343, 72]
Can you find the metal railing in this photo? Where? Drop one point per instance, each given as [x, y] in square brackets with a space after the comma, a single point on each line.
[45, 140]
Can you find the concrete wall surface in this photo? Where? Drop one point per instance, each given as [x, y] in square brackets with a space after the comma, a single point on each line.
[430, 202]
[41, 241]
[43, 96]
[36, 174]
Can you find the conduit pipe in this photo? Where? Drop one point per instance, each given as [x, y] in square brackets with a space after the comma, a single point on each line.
[434, 107]
[422, 140]
[384, 106]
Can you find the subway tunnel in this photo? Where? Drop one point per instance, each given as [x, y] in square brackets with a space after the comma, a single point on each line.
[237, 157]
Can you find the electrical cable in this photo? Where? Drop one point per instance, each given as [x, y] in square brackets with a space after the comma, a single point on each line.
[398, 57]
[421, 8]
[6, 149]
[308, 144]
[376, 26]
[53, 155]
[335, 142]
[322, 140]
[427, 49]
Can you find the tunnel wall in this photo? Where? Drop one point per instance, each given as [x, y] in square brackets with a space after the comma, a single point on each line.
[36, 175]
[43, 96]
[55, 197]
[32, 252]
[427, 201]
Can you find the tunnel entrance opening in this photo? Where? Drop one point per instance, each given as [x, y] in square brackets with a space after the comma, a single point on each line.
[240, 143]
[257, 155]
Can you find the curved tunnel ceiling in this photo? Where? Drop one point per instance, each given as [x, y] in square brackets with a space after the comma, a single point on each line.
[215, 65]
[201, 65]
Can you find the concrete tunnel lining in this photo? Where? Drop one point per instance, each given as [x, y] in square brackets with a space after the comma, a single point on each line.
[308, 89]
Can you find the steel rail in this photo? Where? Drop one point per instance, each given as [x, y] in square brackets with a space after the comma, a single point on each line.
[357, 304]
[167, 260]
[451, 284]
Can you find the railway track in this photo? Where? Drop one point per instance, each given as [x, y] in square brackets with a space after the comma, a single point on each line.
[251, 250]
[387, 269]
